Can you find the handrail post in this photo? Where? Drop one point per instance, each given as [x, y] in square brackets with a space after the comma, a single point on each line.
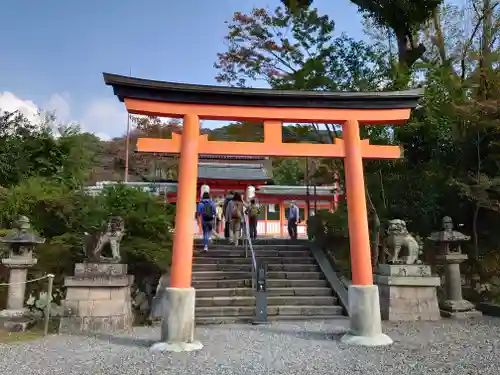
[261, 294]
[259, 279]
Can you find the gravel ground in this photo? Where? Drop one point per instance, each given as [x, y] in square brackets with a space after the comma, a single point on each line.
[446, 347]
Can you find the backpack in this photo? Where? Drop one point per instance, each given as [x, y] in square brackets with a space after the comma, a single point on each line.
[208, 211]
[236, 210]
[218, 213]
[254, 211]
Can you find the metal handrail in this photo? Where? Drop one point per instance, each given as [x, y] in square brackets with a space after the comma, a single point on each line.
[258, 277]
[248, 244]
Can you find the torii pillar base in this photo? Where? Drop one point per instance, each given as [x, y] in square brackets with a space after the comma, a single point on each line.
[365, 320]
[178, 325]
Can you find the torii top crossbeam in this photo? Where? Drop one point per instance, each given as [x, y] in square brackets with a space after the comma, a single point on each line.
[273, 107]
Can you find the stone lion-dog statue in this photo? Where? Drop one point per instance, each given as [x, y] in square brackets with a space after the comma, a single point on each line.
[398, 238]
[112, 235]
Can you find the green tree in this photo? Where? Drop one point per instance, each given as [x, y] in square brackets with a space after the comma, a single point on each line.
[295, 51]
[30, 149]
[404, 19]
[288, 171]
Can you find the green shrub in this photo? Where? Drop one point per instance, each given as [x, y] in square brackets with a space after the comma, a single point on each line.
[325, 226]
[330, 231]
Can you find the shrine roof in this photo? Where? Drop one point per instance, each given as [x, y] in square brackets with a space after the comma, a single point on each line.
[239, 172]
[173, 92]
[297, 190]
[265, 190]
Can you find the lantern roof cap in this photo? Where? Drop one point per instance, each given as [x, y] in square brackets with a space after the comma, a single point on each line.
[22, 234]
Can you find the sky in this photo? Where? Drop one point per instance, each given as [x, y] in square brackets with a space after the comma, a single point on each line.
[54, 52]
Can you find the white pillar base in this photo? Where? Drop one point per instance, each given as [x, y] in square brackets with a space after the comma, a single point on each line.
[173, 347]
[178, 324]
[365, 320]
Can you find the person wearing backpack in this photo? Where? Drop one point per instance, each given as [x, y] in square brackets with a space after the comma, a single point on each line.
[206, 216]
[236, 211]
[253, 216]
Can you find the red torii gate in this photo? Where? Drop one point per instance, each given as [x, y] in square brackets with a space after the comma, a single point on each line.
[272, 107]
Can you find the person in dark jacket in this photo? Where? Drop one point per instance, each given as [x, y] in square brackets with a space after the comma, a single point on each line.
[293, 220]
[206, 216]
[228, 199]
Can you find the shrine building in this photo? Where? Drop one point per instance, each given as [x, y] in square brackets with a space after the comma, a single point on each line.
[236, 173]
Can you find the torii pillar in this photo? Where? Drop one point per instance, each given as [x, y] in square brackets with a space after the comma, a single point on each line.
[363, 295]
[193, 102]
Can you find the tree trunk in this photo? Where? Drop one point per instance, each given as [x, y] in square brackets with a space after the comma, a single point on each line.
[375, 239]
[475, 237]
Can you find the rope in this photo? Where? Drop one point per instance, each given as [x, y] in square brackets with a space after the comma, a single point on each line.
[29, 281]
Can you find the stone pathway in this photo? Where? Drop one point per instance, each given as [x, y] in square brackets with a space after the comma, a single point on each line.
[446, 347]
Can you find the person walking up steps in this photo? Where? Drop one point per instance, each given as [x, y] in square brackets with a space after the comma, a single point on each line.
[226, 214]
[293, 220]
[235, 210]
[253, 217]
[206, 217]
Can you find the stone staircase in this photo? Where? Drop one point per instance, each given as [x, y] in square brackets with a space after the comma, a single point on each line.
[297, 289]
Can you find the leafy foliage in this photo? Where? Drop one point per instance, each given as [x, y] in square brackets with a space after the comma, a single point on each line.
[28, 150]
[288, 172]
[42, 177]
[295, 51]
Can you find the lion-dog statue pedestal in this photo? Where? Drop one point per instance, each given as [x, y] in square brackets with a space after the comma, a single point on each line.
[98, 295]
[408, 291]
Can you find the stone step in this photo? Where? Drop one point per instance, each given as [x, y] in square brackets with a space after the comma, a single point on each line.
[292, 283]
[248, 267]
[248, 260]
[225, 292]
[310, 275]
[249, 292]
[300, 291]
[240, 253]
[222, 267]
[256, 247]
[228, 275]
[209, 320]
[271, 310]
[271, 301]
[247, 283]
[213, 284]
[221, 275]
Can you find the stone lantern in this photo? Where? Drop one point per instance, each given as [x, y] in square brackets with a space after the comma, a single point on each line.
[449, 252]
[21, 245]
